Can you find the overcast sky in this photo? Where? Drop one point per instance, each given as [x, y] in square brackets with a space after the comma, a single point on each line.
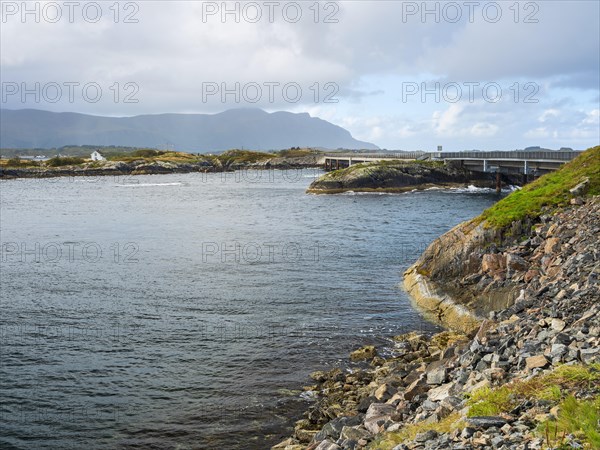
[403, 75]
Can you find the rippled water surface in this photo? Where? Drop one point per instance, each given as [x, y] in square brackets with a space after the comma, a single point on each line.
[186, 311]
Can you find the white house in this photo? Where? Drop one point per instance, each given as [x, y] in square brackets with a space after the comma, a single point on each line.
[97, 156]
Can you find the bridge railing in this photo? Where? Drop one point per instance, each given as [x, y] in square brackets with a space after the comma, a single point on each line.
[398, 155]
[518, 155]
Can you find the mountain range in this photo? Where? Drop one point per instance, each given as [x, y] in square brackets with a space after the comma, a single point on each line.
[252, 129]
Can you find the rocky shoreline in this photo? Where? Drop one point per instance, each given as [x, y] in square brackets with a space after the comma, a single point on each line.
[422, 396]
[146, 167]
[518, 368]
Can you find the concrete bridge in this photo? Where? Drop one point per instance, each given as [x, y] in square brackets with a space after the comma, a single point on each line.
[335, 161]
[506, 162]
[512, 162]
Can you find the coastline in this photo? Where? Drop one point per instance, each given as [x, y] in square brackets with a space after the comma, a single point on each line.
[133, 170]
[391, 190]
[438, 306]
[524, 301]
[433, 391]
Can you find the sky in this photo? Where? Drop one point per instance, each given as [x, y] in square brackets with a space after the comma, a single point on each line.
[403, 75]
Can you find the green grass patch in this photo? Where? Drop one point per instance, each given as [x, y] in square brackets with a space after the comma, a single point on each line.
[297, 152]
[18, 162]
[389, 440]
[243, 157]
[491, 402]
[580, 418]
[59, 161]
[550, 190]
[553, 386]
[380, 167]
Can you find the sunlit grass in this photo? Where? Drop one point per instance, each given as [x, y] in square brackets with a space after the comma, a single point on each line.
[409, 432]
[550, 190]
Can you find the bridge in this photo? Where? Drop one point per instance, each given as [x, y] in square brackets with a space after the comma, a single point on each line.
[507, 162]
[335, 161]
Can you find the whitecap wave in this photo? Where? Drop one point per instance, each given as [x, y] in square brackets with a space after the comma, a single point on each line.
[148, 184]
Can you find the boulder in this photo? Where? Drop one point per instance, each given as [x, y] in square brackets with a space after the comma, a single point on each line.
[377, 415]
[493, 263]
[534, 362]
[440, 393]
[552, 245]
[364, 353]
[437, 375]
[384, 392]
[515, 263]
[557, 324]
[486, 421]
[354, 433]
[417, 387]
[328, 445]
[581, 188]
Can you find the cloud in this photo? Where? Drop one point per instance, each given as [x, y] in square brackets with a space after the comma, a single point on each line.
[172, 55]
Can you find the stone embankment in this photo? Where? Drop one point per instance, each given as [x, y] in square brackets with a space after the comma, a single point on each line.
[516, 374]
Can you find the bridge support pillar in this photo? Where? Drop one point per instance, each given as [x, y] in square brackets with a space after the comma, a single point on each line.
[498, 182]
[485, 165]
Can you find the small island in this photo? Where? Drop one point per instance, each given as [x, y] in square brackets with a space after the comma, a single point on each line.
[399, 176]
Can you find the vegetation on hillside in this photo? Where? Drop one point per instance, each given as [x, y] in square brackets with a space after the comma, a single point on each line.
[550, 190]
[150, 155]
[18, 162]
[59, 161]
[574, 416]
[82, 151]
[370, 168]
[297, 152]
[242, 156]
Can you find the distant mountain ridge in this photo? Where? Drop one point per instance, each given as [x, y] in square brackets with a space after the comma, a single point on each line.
[252, 129]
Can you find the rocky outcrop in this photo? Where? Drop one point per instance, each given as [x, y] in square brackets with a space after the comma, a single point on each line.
[474, 269]
[148, 167]
[532, 351]
[398, 176]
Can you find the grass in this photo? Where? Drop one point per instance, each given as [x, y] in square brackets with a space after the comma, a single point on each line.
[18, 162]
[409, 432]
[297, 152]
[59, 161]
[552, 386]
[491, 402]
[396, 163]
[154, 155]
[242, 156]
[381, 166]
[578, 417]
[550, 190]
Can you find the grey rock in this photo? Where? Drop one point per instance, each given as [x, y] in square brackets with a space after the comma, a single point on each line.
[486, 421]
[590, 355]
[354, 433]
[437, 375]
[328, 445]
[426, 436]
[377, 415]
